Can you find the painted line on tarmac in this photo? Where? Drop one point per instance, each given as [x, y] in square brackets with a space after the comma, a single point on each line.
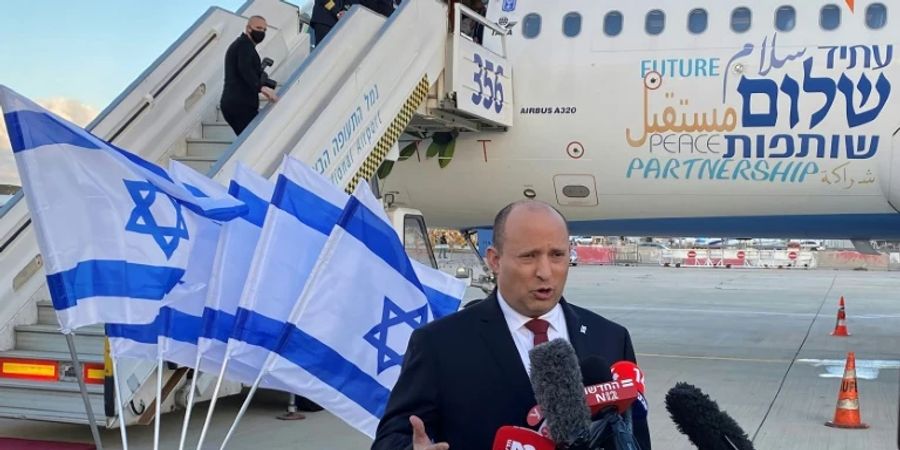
[736, 312]
[866, 369]
[715, 358]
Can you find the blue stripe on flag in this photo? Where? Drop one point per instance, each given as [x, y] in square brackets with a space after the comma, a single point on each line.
[257, 329]
[31, 129]
[174, 324]
[310, 209]
[330, 367]
[195, 190]
[378, 237]
[258, 206]
[111, 278]
[441, 303]
[217, 324]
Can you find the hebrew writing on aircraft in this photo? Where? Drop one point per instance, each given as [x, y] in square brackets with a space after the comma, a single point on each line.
[812, 105]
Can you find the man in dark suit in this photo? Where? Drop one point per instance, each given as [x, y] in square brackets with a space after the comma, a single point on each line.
[466, 375]
[326, 13]
[244, 77]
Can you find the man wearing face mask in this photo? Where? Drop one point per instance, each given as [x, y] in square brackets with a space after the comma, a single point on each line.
[244, 77]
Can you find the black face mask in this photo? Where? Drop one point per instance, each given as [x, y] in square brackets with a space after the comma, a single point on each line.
[257, 36]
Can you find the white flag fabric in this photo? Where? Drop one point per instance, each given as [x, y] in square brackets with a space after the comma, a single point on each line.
[354, 318]
[237, 243]
[113, 229]
[179, 323]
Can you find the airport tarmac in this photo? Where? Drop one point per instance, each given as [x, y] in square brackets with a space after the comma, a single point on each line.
[756, 341]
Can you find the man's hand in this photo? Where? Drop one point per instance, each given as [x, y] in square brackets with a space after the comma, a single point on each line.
[420, 438]
[269, 94]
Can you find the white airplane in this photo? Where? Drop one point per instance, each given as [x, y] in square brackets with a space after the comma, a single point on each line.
[703, 118]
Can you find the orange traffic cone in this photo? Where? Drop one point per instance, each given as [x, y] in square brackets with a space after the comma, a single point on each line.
[840, 326]
[846, 414]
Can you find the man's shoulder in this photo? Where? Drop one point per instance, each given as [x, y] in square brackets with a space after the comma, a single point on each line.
[460, 321]
[596, 320]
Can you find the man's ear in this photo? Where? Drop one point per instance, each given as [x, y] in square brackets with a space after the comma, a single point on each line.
[493, 259]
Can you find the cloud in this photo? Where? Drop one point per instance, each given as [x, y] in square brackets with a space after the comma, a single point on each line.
[70, 109]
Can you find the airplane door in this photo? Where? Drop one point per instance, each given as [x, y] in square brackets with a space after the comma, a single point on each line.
[893, 185]
[575, 190]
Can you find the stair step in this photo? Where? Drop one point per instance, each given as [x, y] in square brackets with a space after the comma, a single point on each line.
[217, 130]
[46, 313]
[33, 399]
[78, 418]
[198, 163]
[55, 356]
[48, 338]
[207, 148]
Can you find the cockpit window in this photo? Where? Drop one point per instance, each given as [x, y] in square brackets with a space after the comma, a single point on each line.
[785, 18]
[572, 24]
[830, 17]
[612, 23]
[655, 22]
[740, 19]
[876, 16]
[531, 25]
[698, 20]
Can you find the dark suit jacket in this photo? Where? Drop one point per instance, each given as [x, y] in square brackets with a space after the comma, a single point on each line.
[323, 16]
[463, 376]
[243, 74]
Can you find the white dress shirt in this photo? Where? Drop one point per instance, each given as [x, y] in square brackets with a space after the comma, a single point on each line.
[523, 337]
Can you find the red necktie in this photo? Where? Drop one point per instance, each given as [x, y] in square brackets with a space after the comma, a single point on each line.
[539, 328]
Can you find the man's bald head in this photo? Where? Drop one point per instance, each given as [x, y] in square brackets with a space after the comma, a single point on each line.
[256, 21]
[531, 205]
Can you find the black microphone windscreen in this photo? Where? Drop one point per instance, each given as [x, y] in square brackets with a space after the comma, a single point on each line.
[595, 370]
[700, 419]
[556, 380]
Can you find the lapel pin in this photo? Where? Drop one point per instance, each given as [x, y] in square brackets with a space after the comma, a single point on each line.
[583, 329]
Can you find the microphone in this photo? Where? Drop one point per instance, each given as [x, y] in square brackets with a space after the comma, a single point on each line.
[627, 372]
[518, 438]
[700, 419]
[556, 380]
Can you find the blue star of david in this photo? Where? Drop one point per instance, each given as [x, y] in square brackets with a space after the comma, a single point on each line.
[142, 221]
[391, 316]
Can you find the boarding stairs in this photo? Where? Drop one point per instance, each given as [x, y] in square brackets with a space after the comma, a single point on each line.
[343, 108]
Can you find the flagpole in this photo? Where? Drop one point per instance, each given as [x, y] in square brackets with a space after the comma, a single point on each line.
[70, 340]
[190, 402]
[119, 408]
[246, 404]
[159, 369]
[212, 401]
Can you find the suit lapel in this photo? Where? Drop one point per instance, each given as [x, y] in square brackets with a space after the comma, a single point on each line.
[499, 342]
[576, 328]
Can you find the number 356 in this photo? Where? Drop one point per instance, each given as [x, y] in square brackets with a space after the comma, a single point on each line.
[490, 91]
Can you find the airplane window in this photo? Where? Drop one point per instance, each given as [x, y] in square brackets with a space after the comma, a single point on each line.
[830, 17]
[740, 19]
[785, 18]
[612, 23]
[572, 24]
[697, 21]
[576, 191]
[655, 22]
[876, 16]
[531, 26]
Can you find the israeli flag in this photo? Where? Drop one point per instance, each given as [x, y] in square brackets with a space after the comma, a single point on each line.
[178, 326]
[237, 244]
[353, 321]
[113, 229]
[297, 224]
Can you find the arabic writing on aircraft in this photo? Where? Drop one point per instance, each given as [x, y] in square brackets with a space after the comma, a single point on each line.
[838, 177]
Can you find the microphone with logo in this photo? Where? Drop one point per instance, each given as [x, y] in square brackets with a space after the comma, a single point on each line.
[700, 418]
[558, 389]
[610, 403]
[519, 438]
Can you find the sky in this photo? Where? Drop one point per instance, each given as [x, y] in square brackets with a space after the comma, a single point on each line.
[75, 57]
